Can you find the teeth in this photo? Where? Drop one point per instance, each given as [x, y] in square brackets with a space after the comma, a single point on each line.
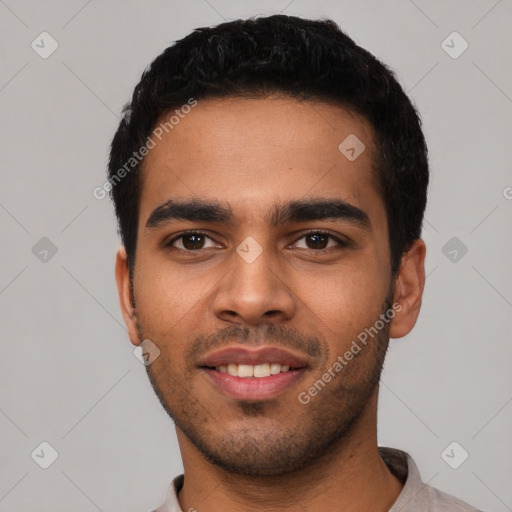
[275, 368]
[249, 370]
[245, 370]
[262, 370]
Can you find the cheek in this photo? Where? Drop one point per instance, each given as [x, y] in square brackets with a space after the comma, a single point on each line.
[164, 297]
[173, 302]
[345, 300]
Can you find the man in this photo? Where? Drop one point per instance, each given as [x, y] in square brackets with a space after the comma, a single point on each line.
[269, 178]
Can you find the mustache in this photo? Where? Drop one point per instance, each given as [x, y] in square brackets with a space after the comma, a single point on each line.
[268, 333]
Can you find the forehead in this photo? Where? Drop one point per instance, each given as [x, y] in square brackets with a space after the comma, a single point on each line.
[251, 153]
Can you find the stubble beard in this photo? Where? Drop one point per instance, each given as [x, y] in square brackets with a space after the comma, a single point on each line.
[263, 448]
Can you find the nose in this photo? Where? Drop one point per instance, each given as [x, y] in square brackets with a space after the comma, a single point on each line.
[252, 293]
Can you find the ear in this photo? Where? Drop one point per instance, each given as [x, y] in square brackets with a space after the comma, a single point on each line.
[125, 296]
[409, 285]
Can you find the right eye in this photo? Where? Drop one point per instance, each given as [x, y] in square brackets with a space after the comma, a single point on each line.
[191, 241]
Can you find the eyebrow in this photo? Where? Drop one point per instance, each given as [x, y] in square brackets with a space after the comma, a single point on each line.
[294, 211]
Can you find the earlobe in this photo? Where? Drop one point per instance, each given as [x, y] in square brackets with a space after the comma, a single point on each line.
[125, 295]
[409, 285]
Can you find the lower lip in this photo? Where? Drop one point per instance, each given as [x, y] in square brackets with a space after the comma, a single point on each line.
[251, 388]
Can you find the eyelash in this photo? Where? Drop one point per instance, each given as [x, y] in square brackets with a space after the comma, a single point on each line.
[341, 243]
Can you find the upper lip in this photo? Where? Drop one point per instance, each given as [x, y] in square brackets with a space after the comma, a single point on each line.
[243, 355]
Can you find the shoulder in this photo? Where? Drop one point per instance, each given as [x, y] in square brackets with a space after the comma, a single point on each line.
[416, 495]
[171, 503]
[439, 501]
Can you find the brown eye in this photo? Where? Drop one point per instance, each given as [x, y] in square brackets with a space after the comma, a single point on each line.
[316, 241]
[319, 241]
[191, 242]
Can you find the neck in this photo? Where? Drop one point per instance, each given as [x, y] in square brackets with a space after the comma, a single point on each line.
[351, 476]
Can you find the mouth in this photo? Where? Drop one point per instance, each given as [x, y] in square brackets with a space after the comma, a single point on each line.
[257, 371]
[253, 374]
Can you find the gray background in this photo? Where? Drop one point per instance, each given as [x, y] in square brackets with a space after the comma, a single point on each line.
[68, 373]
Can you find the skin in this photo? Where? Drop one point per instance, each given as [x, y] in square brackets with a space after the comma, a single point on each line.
[278, 454]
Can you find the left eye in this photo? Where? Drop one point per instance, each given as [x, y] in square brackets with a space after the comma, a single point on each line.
[319, 241]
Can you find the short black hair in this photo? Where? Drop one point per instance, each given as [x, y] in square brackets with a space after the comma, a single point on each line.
[257, 57]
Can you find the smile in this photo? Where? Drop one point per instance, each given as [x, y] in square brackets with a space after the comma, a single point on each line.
[257, 371]
[253, 373]
[253, 382]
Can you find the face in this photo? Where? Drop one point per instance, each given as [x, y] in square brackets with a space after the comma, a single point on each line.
[262, 256]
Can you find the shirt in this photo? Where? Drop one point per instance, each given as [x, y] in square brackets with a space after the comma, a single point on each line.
[416, 496]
